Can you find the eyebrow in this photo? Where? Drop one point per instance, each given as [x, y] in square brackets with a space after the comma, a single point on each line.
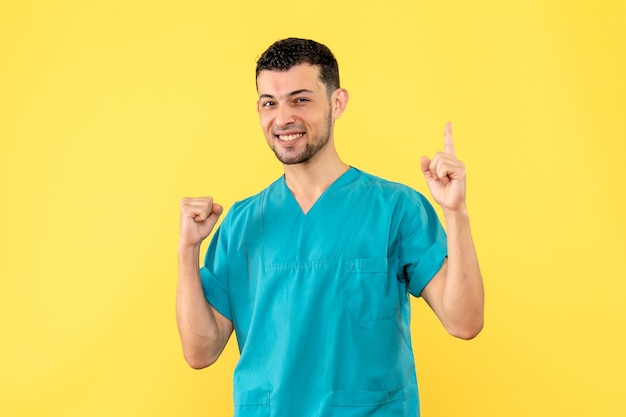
[293, 93]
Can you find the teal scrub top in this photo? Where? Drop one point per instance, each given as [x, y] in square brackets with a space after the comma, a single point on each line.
[320, 302]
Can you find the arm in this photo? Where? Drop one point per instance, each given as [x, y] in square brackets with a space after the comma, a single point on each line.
[203, 331]
[456, 292]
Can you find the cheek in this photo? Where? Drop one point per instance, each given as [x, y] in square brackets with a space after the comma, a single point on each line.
[266, 126]
[264, 121]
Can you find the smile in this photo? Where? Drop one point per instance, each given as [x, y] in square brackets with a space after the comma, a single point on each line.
[289, 138]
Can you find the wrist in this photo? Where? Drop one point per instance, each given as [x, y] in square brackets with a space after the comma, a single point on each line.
[455, 212]
[188, 249]
[456, 216]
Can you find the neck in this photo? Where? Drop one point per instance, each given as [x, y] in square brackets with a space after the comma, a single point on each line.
[307, 181]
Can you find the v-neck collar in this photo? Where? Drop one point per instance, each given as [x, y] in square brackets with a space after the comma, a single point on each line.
[344, 178]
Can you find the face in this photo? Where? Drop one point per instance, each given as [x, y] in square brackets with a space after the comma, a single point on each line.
[296, 113]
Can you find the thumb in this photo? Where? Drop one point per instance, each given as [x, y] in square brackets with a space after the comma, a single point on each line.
[426, 168]
[217, 209]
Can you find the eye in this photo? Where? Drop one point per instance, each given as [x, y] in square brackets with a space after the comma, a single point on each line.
[267, 104]
[301, 100]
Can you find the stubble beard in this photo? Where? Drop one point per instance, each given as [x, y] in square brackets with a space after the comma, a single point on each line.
[310, 150]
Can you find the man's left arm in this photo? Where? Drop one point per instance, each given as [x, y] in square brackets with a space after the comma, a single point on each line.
[455, 293]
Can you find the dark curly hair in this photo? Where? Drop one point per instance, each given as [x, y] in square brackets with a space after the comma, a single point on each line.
[287, 53]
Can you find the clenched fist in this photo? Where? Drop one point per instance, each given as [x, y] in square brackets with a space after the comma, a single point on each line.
[197, 218]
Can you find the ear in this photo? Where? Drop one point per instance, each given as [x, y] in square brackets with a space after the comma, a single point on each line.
[339, 101]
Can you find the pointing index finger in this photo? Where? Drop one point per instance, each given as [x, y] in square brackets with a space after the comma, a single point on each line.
[448, 143]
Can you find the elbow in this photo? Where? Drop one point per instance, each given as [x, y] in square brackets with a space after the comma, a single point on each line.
[466, 334]
[199, 361]
[197, 365]
[467, 331]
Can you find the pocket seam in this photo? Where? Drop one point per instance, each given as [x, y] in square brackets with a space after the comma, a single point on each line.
[367, 398]
[255, 398]
[371, 265]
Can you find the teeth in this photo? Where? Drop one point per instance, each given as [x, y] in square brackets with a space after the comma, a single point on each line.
[289, 138]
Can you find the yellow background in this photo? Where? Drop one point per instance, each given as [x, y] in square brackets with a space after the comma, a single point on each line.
[111, 111]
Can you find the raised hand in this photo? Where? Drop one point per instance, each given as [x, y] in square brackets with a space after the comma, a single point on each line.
[203, 330]
[445, 175]
[197, 218]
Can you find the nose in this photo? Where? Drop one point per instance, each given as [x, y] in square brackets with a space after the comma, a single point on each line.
[284, 116]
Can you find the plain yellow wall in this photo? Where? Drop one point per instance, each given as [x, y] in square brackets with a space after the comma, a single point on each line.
[111, 111]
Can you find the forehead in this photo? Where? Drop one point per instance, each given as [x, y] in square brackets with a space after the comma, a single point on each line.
[299, 77]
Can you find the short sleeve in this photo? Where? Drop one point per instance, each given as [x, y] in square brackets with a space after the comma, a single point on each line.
[214, 273]
[423, 244]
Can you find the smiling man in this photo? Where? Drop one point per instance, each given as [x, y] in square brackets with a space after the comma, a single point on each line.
[299, 123]
[314, 273]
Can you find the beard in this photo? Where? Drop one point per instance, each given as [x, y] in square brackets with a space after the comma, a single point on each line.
[310, 150]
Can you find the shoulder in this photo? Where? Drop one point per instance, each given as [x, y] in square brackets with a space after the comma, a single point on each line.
[243, 209]
[391, 191]
[407, 211]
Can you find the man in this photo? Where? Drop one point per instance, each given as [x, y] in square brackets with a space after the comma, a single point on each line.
[314, 273]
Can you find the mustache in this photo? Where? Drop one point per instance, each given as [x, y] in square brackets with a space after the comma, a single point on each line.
[290, 129]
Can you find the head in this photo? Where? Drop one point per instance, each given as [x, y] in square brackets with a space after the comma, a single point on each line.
[299, 99]
[287, 53]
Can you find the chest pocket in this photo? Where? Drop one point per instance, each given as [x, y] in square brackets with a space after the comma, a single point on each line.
[372, 292]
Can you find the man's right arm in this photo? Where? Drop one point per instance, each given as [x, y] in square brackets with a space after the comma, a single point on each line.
[204, 332]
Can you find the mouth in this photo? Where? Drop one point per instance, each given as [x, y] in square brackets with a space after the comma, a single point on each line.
[289, 138]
